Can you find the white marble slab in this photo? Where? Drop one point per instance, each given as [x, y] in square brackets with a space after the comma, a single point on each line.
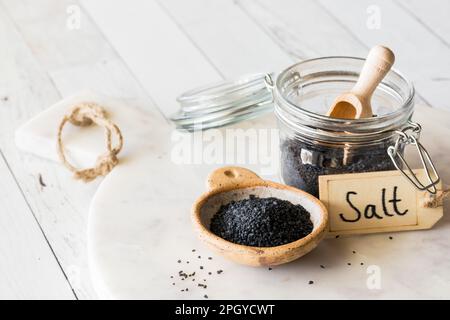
[139, 228]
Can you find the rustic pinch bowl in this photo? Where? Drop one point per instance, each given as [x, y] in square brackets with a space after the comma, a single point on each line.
[235, 183]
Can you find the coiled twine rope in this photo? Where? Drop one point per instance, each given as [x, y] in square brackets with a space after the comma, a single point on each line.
[84, 115]
[435, 200]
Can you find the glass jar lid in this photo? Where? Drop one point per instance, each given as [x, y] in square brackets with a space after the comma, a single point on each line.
[223, 103]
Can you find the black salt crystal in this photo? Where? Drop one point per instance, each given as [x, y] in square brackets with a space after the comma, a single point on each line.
[261, 222]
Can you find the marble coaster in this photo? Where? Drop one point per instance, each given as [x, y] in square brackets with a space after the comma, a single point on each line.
[140, 240]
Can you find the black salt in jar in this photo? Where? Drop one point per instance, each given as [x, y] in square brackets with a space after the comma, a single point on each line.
[312, 144]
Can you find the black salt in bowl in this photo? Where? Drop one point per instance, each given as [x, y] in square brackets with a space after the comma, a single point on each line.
[237, 189]
[261, 222]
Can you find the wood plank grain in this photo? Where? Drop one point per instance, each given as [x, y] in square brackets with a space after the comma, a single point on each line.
[62, 206]
[103, 72]
[420, 55]
[432, 15]
[330, 37]
[28, 268]
[302, 28]
[176, 57]
[222, 62]
[59, 204]
[164, 60]
[225, 34]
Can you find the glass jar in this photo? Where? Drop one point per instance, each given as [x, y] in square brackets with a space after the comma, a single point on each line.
[313, 144]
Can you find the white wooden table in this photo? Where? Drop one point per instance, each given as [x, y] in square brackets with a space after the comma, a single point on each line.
[146, 52]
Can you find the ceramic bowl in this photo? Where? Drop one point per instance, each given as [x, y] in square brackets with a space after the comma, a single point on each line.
[235, 183]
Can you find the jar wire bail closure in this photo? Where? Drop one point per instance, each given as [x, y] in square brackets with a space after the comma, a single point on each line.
[270, 84]
[224, 103]
[410, 135]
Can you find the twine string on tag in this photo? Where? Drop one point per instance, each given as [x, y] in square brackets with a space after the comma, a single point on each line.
[84, 115]
[435, 200]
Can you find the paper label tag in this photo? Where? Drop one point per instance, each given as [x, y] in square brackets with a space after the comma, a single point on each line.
[372, 202]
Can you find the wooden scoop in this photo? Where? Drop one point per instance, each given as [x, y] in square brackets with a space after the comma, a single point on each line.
[355, 104]
[235, 183]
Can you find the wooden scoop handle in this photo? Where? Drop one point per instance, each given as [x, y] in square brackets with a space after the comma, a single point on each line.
[231, 177]
[378, 63]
